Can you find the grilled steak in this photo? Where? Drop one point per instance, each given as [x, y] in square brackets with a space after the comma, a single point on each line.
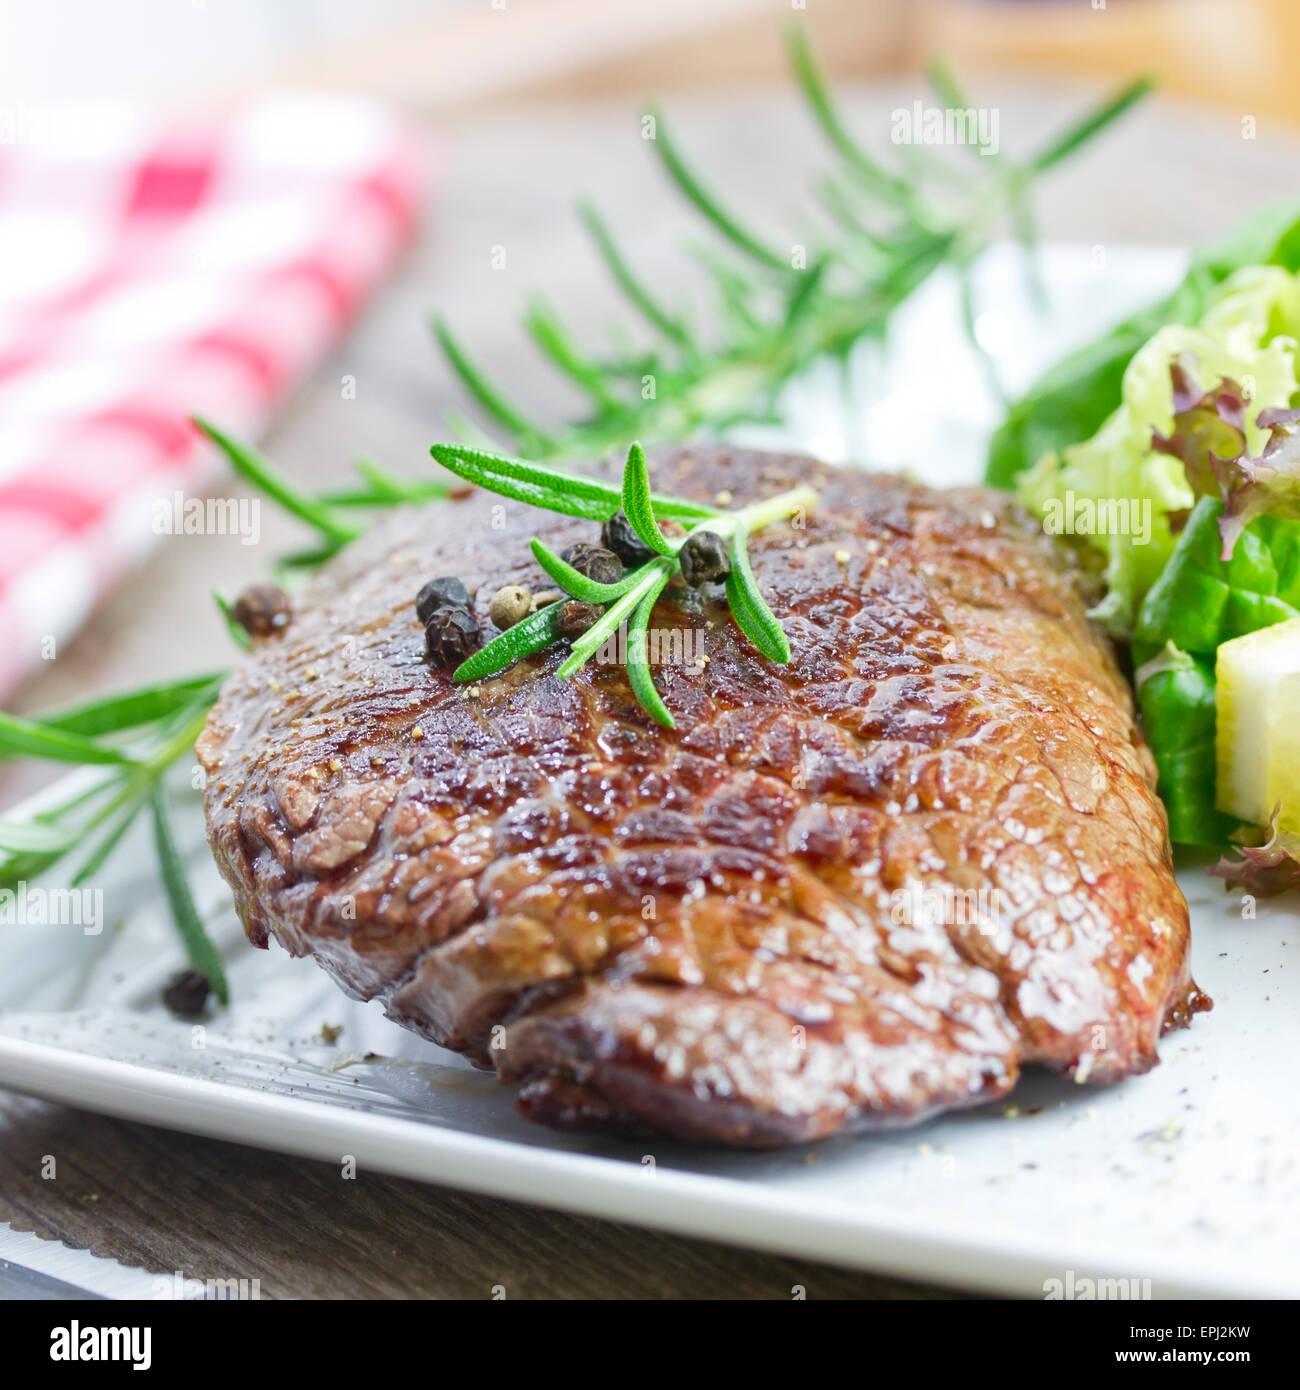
[846, 892]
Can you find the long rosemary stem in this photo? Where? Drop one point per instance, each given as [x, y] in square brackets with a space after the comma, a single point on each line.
[760, 514]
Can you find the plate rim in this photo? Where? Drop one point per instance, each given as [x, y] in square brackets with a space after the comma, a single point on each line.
[696, 1205]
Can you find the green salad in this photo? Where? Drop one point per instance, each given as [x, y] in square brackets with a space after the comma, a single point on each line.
[1172, 446]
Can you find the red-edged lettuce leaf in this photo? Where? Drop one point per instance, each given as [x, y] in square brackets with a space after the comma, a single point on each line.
[1265, 870]
[1209, 438]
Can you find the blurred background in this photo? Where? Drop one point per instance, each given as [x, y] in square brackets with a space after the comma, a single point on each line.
[435, 54]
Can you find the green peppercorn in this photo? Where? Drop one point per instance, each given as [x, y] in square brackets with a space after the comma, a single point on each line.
[510, 604]
[704, 559]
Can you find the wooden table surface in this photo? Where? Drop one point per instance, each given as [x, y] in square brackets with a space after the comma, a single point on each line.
[507, 178]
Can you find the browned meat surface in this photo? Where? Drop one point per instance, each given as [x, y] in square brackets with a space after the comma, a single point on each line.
[847, 892]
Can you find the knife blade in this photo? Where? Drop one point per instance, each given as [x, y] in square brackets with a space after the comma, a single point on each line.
[32, 1268]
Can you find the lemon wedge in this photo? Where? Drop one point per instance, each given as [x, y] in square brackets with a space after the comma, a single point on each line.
[1257, 732]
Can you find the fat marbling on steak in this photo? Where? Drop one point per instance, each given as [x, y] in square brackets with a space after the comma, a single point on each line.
[850, 891]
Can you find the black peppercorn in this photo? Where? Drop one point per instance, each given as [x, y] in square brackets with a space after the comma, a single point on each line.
[703, 558]
[617, 535]
[575, 618]
[449, 636]
[186, 993]
[602, 566]
[440, 593]
[262, 610]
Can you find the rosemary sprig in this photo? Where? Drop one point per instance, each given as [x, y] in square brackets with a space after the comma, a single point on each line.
[891, 232]
[631, 599]
[203, 955]
[133, 737]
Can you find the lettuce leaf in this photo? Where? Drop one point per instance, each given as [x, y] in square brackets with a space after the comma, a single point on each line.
[1264, 870]
[1071, 400]
[1210, 439]
[1218, 555]
[1246, 335]
[1176, 696]
[1201, 600]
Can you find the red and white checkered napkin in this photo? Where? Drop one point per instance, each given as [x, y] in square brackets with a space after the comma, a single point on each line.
[148, 274]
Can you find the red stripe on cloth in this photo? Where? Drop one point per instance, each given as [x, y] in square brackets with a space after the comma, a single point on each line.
[395, 185]
[26, 538]
[171, 181]
[321, 275]
[254, 357]
[170, 433]
[30, 492]
[19, 360]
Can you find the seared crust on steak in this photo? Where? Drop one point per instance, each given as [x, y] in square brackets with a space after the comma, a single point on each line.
[850, 891]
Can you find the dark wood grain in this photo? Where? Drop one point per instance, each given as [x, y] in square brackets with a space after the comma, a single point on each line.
[167, 1202]
[508, 178]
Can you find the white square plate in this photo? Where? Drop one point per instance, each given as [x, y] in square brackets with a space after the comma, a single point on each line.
[1188, 1177]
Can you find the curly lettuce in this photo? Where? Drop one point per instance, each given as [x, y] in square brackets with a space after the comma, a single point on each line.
[1247, 335]
[1072, 399]
[1184, 413]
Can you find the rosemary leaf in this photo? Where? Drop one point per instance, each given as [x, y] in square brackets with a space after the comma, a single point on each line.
[550, 336]
[203, 955]
[17, 869]
[483, 392]
[131, 708]
[638, 663]
[106, 845]
[754, 618]
[529, 482]
[952, 95]
[1095, 121]
[384, 489]
[574, 582]
[1025, 226]
[35, 837]
[536, 631]
[248, 463]
[893, 238]
[286, 565]
[568, 493]
[735, 290]
[808, 72]
[637, 504]
[708, 204]
[618, 267]
[31, 738]
[809, 283]
[238, 632]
